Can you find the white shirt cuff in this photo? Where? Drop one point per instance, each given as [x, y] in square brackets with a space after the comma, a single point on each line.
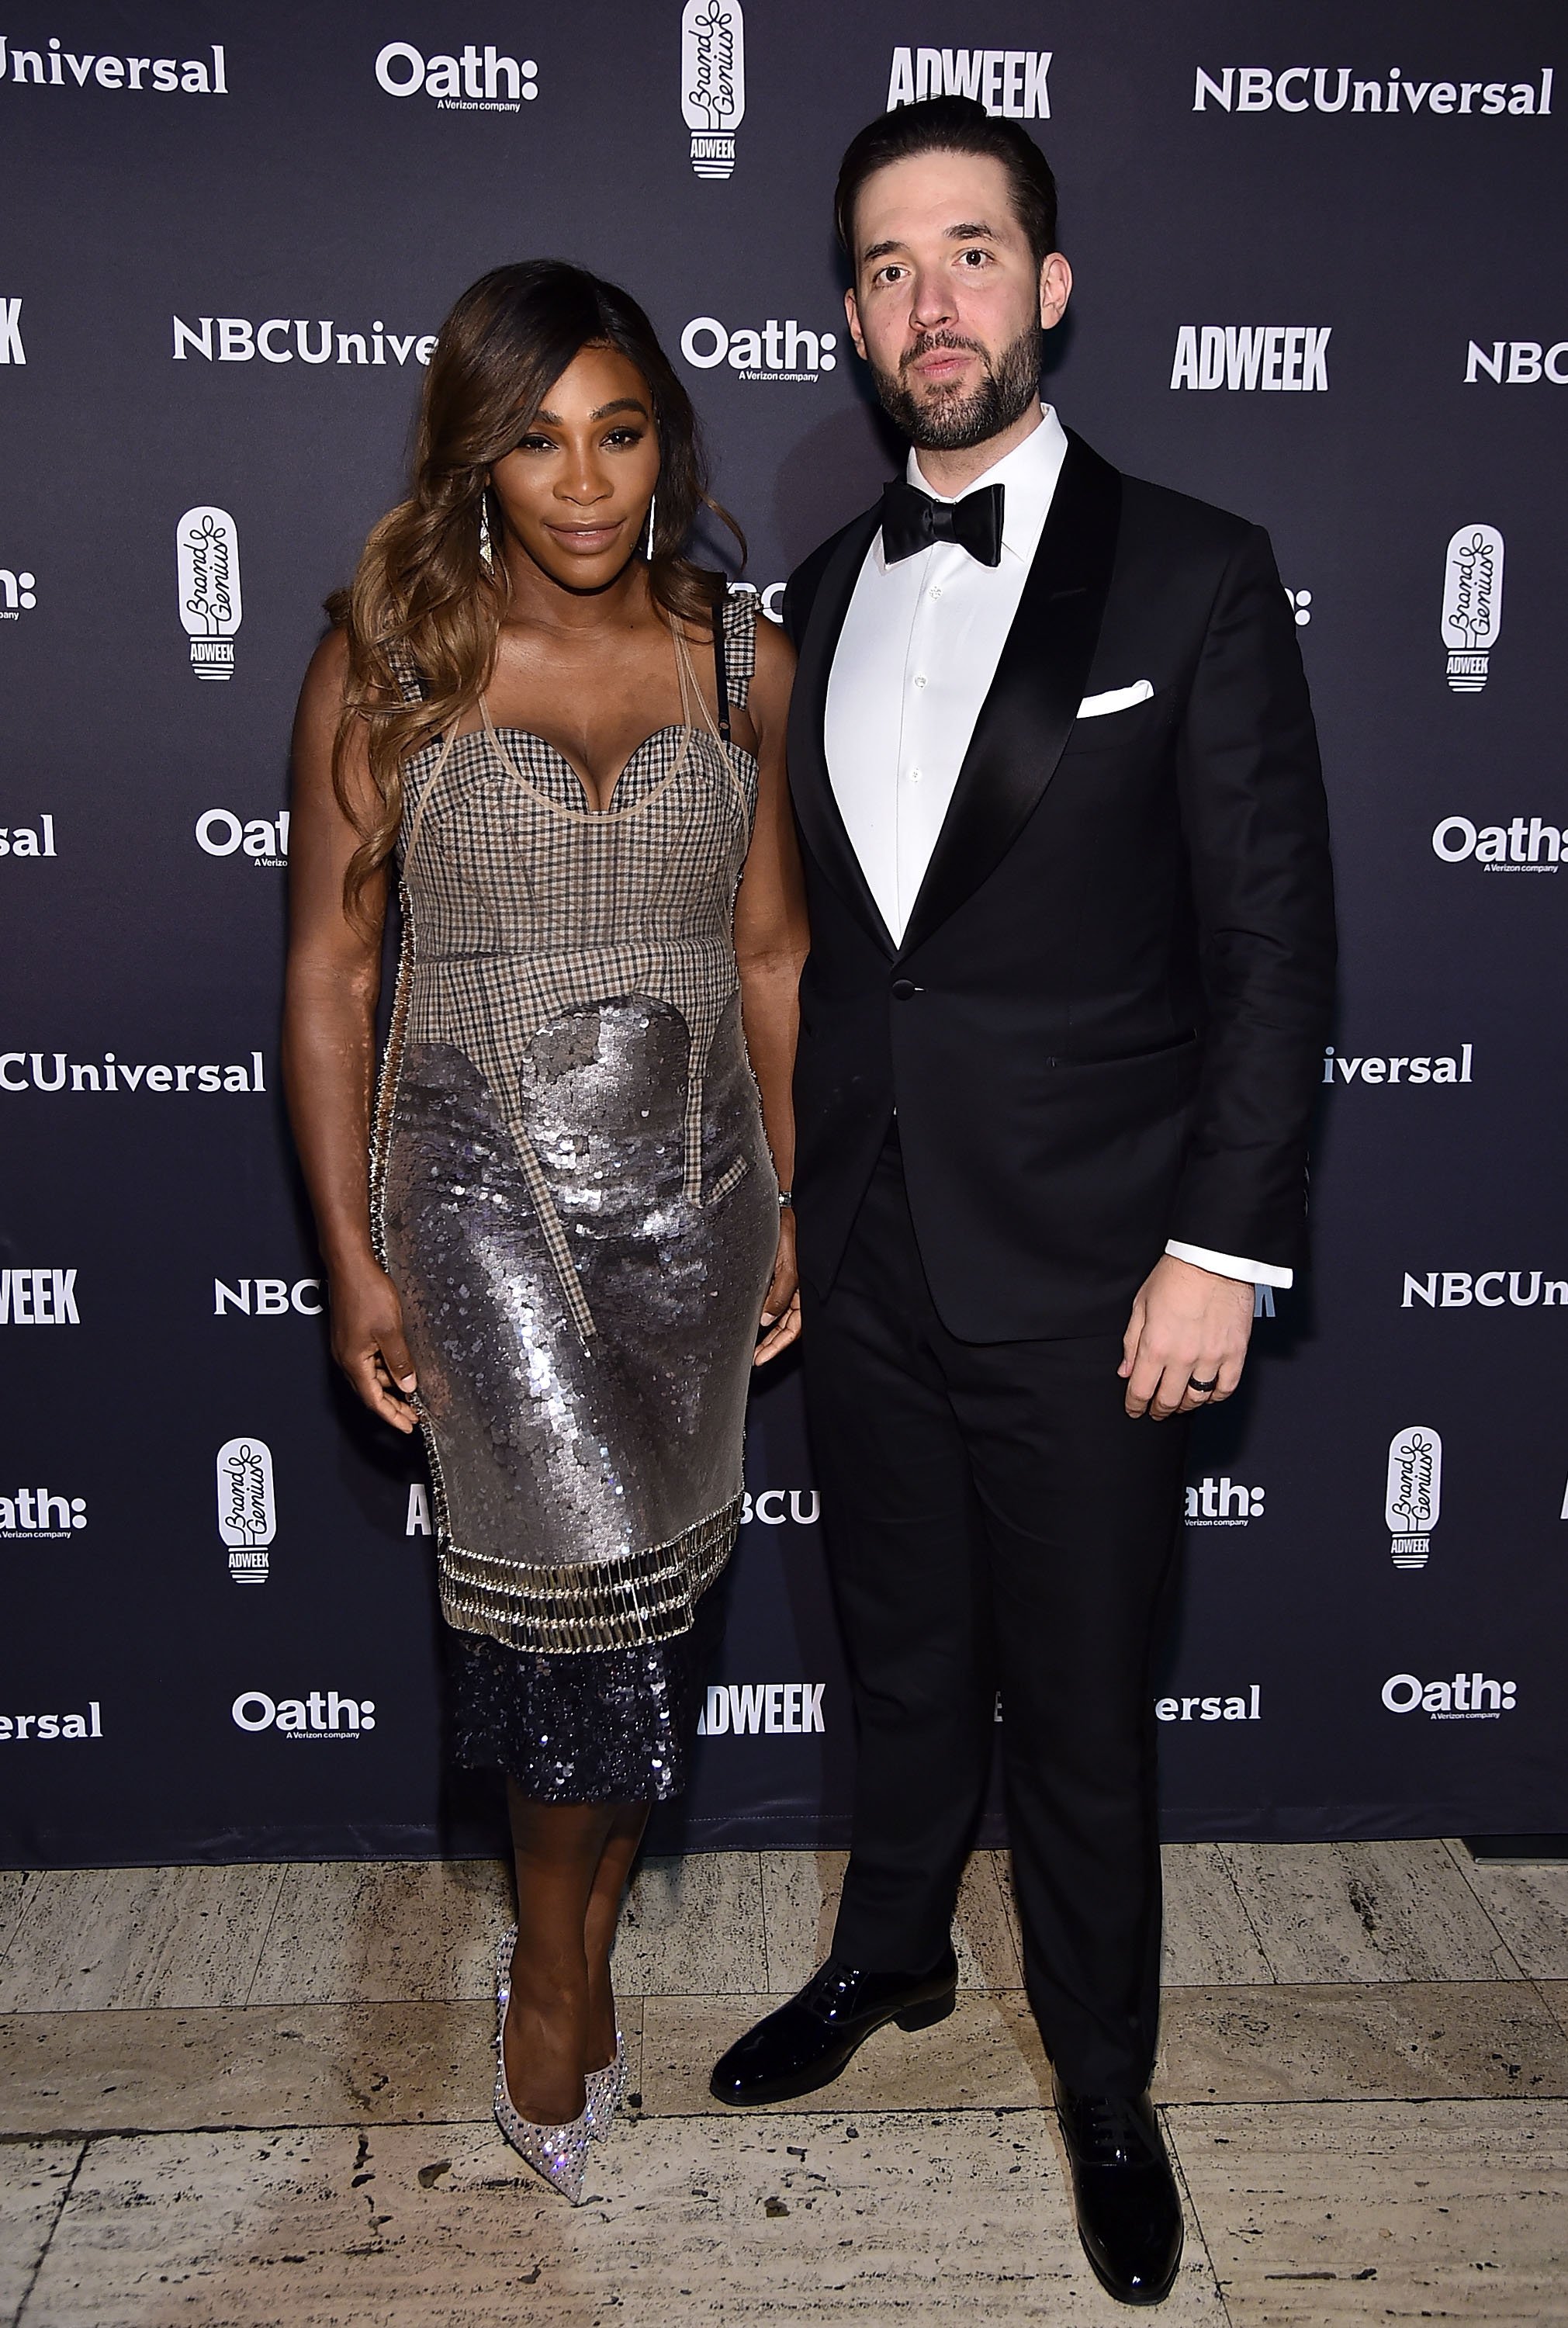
[1227, 1264]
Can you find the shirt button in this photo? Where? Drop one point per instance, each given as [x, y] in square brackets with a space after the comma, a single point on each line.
[919, 679]
[936, 590]
[915, 776]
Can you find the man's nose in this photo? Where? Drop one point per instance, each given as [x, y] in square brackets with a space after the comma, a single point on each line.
[932, 305]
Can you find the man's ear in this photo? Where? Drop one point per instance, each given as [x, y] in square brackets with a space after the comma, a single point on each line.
[853, 317]
[1056, 288]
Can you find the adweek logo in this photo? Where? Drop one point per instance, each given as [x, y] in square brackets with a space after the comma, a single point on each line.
[1425, 1067]
[474, 80]
[35, 1515]
[1414, 1498]
[38, 1296]
[1522, 845]
[1493, 1289]
[207, 561]
[1222, 1503]
[1472, 605]
[1011, 82]
[18, 594]
[42, 1727]
[28, 839]
[1518, 363]
[11, 347]
[46, 1071]
[712, 82]
[1248, 1707]
[1328, 88]
[770, 350]
[247, 1507]
[316, 1713]
[790, 1709]
[263, 838]
[269, 1297]
[235, 339]
[53, 67]
[1273, 358]
[1468, 1697]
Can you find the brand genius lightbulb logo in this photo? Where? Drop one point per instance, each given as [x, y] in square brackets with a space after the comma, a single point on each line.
[207, 553]
[1472, 605]
[246, 1506]
[1415, 1494]
[712, 82]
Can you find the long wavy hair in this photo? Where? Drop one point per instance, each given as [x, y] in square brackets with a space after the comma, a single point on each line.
[423, 606]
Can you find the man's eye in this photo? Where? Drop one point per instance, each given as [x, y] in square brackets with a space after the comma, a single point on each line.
[983, 257]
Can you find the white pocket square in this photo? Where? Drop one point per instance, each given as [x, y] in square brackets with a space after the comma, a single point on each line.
[1116, 699]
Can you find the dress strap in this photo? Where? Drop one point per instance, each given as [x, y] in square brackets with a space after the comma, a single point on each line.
[721, 671]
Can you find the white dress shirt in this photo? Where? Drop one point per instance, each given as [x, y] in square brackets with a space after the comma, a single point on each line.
[915, 661]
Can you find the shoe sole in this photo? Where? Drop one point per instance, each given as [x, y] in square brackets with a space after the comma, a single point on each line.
[788, 2089]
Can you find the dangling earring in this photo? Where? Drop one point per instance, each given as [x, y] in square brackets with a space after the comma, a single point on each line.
[486, 550]
[648, 547]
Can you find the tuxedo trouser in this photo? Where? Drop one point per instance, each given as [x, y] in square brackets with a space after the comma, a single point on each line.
[995, 1521]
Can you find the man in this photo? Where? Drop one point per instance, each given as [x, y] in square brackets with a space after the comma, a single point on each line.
[1072, 947]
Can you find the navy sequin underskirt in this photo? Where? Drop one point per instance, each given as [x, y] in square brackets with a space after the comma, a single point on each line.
[600, 1726]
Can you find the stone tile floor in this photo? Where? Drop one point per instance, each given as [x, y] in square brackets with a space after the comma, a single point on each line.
[257, 2098]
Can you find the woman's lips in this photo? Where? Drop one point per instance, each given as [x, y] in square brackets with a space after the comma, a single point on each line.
[586, 538]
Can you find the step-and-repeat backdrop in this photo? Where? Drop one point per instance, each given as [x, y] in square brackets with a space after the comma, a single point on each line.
[1318, 252]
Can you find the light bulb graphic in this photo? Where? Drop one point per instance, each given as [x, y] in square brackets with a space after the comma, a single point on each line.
[1414, 1495]
[246, 1506]
[207, 555]
[1472, 605]
[712, 82]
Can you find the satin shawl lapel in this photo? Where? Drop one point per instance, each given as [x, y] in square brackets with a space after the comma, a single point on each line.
[1033, 698]
[810, 783]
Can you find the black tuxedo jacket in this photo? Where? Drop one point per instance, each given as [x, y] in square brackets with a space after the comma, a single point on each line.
[1104, 1024]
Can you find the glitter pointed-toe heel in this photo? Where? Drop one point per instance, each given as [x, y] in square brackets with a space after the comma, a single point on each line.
[558, 2153]
[604, 2088]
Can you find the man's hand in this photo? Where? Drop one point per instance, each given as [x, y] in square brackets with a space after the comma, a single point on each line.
[1185, 1321]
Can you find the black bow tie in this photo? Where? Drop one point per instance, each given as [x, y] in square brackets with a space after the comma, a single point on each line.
[913, 521]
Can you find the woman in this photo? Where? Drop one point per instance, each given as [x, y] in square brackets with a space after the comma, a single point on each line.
[570, 738]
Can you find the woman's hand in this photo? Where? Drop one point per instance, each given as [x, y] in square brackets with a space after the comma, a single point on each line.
[369, 1344]
[781, 1309]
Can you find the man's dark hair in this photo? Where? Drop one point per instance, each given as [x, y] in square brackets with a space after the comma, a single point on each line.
[952, 125]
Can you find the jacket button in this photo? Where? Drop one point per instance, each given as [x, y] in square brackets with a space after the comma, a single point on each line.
[903, 987]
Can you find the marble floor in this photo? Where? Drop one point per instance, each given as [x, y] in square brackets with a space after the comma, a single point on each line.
[257, 2098]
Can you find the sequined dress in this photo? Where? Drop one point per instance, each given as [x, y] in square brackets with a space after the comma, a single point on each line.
[574, 1196]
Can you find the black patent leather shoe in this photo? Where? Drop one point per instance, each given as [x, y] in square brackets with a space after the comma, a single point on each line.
[1129, 2213]
[809, 2041]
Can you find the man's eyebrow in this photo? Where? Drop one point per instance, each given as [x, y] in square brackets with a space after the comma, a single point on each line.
[975, 230]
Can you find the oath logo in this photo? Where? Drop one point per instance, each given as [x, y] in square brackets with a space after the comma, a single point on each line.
[48, 1071]
[263, 838]
[1222, 1503]
[1425, 1067]
[28, 839]
[18, 594]
[712, 82]
[1299, 603]
[38, 1296]
[52, 67]
[1287, 358]
[1329, 89]
[42, 1727]
[206, 556]
[234, 338]
[1522, 845]
[35, 1514]
[1415, 1494]
[474, 80]
[1518, 363]
[773, 350]
[746, 1709]
[1245, 1708]
[319, 1713]
[1472, 605]
[1468, 1697]
[1493, 1289]
[247, 1507]
[1011, 82]
[12, 351]
[774, 1505]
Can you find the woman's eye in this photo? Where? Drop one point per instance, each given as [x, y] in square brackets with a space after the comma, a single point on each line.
[624, 437]
[535, 444]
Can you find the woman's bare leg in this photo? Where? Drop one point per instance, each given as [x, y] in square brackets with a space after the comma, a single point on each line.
[604, 1911]
[557, 1848]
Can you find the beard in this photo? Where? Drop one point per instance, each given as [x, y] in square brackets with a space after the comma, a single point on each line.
[946, 421]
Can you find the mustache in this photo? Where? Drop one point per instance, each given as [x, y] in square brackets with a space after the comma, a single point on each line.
[930, 342]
